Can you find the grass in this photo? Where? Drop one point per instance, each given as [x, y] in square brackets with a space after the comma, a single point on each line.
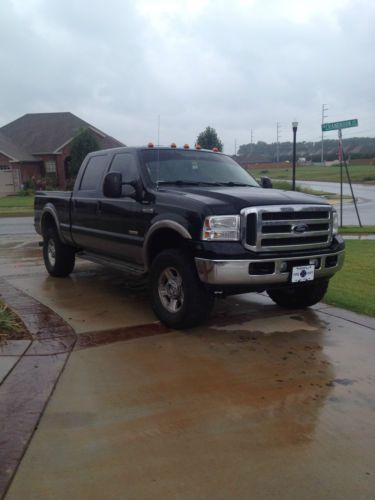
[353, 287]
[16, 205]
[357, 230]
[10, 325]
[358, 173]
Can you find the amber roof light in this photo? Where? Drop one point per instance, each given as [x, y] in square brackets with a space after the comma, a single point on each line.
[186, 146]
[198, 146]
[173, 145]
[215, 150]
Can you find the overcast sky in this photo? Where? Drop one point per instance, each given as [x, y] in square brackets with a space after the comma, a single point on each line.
[235, 65]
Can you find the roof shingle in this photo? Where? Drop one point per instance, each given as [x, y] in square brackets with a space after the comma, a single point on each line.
[47, 132]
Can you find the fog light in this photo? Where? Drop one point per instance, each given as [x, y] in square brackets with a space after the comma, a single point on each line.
[315, 263]
[283, 267]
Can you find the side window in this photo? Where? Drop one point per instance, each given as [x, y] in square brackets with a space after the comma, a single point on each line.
[125, 164]
[93, 173]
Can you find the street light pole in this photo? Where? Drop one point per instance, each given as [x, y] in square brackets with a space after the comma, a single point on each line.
[294, 126]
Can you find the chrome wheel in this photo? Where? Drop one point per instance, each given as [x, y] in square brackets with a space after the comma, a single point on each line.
[170, 290]
[51, 252]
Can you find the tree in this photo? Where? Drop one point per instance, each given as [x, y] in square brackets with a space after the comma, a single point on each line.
[209, 139]
[83, 143]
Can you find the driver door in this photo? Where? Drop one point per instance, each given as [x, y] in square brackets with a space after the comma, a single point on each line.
[121, 218]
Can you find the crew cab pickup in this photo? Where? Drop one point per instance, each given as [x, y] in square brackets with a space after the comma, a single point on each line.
[197, 224]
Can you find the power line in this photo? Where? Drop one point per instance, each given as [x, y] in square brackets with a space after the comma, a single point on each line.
[278, 135]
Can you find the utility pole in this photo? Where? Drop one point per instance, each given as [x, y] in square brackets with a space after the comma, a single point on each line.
[251, 143]
[235, 147]
[324, 109]
[158, 130]
[278, 127]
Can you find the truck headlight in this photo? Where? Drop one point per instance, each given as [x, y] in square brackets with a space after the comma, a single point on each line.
[221, 228]
[335, 222]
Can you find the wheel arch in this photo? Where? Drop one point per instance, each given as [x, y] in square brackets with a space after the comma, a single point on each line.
[161, 236]
[49, 219]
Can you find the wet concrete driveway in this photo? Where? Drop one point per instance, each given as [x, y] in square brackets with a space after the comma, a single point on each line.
[258, 403]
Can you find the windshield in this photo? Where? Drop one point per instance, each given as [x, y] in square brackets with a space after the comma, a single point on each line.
[168, 166]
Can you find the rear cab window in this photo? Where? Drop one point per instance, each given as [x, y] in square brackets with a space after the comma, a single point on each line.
[93, 174]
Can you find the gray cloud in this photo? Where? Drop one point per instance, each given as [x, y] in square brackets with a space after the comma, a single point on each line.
[233, 65]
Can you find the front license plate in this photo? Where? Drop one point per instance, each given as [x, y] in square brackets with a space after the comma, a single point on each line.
[303, 273]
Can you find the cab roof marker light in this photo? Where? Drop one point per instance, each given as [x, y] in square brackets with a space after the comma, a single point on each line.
[198, 146]
[150, 145]
[215, 150]
[173, 145]
[186, 146]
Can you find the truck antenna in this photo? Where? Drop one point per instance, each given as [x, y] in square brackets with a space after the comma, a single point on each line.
[158, 156]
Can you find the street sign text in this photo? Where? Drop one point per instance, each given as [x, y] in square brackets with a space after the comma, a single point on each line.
[326, 127]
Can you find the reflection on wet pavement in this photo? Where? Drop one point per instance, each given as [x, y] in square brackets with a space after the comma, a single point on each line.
[258, 403]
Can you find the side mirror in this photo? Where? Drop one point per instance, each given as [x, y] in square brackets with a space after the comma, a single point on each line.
[112, 186]
[266, 182]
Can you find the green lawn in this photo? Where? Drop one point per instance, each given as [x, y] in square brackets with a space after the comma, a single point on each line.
[357, 230]
[353, 287]
[16, 205]
[358, 173]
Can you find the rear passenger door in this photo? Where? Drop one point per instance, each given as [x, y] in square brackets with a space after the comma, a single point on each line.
[86, 205]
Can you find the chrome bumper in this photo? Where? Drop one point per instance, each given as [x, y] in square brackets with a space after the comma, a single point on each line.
[236, 272]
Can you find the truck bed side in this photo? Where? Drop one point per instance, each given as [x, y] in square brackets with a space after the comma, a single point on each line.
[55, 204]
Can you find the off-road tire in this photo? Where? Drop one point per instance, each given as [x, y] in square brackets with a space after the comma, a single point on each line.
[63, 263]
[197, 301]
[299, 296]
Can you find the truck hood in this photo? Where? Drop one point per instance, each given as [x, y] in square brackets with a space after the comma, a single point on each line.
[233, 199]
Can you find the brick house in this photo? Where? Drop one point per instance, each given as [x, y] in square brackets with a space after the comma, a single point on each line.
[38, 145]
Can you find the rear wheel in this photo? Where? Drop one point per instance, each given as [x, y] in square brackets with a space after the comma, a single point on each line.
[300, 296]
[59, 259]
[178, 297]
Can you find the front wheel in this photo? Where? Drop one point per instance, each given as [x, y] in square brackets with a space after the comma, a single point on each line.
[178, 297]
[59, 259]
[300, 296]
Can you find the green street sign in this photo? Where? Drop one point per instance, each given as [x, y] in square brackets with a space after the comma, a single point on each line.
[326, 127]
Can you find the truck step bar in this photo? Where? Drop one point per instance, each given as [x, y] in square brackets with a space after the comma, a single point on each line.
[125, 267]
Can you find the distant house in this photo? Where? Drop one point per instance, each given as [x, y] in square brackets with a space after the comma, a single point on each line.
[38, 145]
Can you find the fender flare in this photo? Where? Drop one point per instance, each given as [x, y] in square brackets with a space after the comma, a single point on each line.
[50, 209]
[163, 224]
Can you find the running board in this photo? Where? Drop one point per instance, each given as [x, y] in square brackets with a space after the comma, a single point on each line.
[117, 264]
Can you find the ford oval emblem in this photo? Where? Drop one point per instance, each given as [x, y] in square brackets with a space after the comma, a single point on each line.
[300, 228]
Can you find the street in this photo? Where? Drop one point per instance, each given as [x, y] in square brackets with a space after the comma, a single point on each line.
[365, 193]
[259, 402]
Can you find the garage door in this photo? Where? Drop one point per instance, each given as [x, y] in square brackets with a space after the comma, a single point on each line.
[9, 181]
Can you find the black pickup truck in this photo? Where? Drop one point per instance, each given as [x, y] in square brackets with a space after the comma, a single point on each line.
[197, 224]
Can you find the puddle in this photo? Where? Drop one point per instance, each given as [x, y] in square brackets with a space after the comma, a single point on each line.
[269, 326]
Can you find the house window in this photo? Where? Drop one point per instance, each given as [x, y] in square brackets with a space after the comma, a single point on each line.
[4, 167]
[50, 167]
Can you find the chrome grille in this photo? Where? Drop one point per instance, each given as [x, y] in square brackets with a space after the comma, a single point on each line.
[286, 227]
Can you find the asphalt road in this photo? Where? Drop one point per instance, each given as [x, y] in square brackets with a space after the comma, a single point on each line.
[12, 226]
[364, 193]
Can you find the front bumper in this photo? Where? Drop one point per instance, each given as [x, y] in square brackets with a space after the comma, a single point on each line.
[237, 272]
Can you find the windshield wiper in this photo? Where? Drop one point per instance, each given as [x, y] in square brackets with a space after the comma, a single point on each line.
[236, 184]
[181, 182]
